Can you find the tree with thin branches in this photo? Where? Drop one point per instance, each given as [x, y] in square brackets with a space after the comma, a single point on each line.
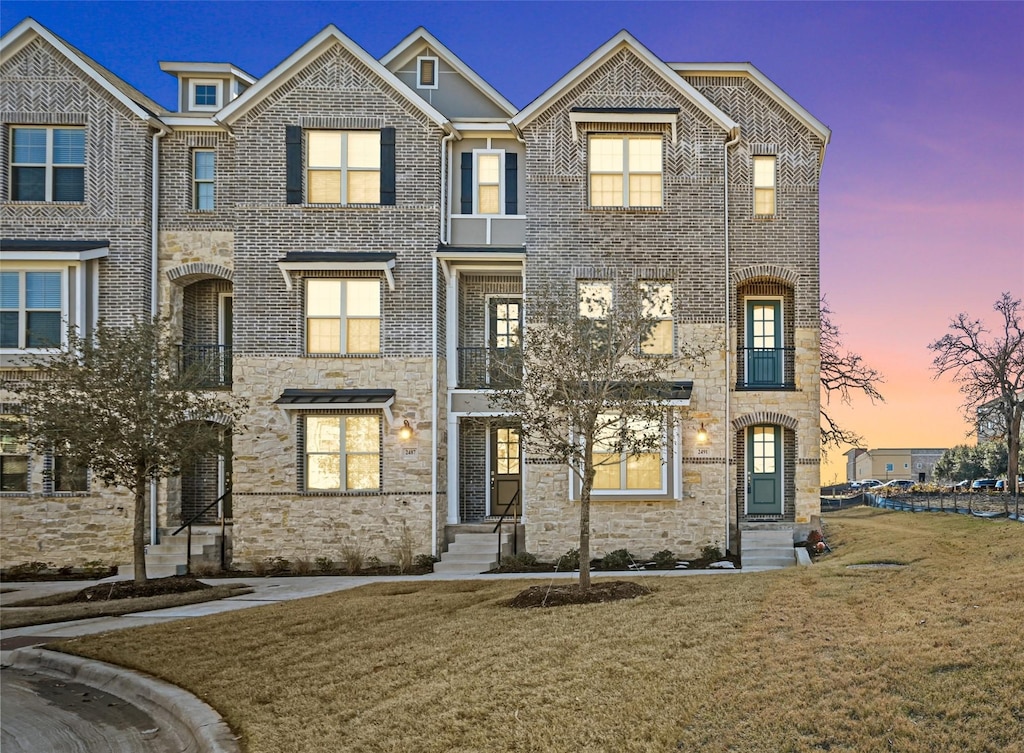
[589, 386]
[843, 373]
[988, 365]
[117, 403]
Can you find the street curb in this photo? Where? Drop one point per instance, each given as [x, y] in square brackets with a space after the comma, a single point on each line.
[166, 703]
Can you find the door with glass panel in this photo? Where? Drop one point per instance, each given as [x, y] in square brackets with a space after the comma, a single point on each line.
[506, 471]
[505, 322]
[764, 470]
[764, 343]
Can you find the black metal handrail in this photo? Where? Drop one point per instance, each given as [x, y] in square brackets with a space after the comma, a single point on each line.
[766, 368]
[212, 361]
[188, 524]
[501, 521]
[489, 368]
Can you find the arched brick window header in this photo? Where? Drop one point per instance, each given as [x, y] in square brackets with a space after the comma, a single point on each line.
[764, 417]
[766, 272]
[186, 274]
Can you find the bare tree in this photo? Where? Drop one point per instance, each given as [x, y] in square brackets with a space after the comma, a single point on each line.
[990, 371]
[117, 404]
[843, 372]
[590, 388]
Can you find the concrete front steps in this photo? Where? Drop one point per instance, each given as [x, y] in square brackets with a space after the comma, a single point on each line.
[168, 557]
[767, 548]
[472, 553]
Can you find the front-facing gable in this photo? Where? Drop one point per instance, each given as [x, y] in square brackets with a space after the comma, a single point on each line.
[625, 43]
[295, 63]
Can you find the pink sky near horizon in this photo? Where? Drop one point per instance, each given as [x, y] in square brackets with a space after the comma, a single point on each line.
[922, 189]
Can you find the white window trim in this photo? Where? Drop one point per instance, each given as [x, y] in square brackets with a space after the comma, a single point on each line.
[419, 67]
[63, 269]
[671, 479]
[774, 186]
[342, 452]
[477, 153]
[196, 181]
[49, 166]
[343, 318]
[625, 173]
[194, 82]
[344, 168]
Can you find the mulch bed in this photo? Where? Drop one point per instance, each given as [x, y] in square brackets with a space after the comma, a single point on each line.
[128, 589]
[557, 595]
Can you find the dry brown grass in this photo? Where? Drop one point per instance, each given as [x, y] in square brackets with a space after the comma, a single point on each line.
[925, 658]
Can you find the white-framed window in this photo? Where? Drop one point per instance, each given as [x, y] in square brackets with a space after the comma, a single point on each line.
[657, 306]
[889, 467]
[343, 316]
[624, 460]
[764, 186]
[13, 458]
[47, 163]
[488, 183]
[625, 170]
[426, 72]
[32, 309]
[205, 94]
[203, 163]
[343, 167]
[342, 452]
[595, 298]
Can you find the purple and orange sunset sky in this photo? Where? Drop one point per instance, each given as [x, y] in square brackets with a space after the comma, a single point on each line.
[922, 191]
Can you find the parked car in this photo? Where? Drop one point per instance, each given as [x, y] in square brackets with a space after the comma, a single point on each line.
[896, 485]
[983, 484]
[866, 483]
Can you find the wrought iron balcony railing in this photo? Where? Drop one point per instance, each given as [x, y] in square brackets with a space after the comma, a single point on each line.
[212, 362]
[766, 369]
[489, 368]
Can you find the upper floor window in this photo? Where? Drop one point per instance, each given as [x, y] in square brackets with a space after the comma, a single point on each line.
[47, 164]
[595, 299]
[13, 458]
[342, 316]
[426, 73]
[342, 453]
[487, 197]
[31, 309]
[764, 186]
[490, 180]
[625, 170]
[204, 94]
[68, 477]
[203, 161]
[657, 307]
[344, 167]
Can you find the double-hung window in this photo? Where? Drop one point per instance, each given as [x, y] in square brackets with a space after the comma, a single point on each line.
[625, 170]
[595, 299]
[342, 453]
[203, 161]
[487, 194]
[47, 164]
[764, 186]
[657, 308]
[343, 167]
[13, 458]
[628, 455]
[31, 309]
[343, 316]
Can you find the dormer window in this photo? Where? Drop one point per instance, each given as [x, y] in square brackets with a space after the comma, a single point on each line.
[426, 73]
[205, 94]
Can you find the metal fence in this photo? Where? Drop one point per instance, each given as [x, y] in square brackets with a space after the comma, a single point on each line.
[978, 505]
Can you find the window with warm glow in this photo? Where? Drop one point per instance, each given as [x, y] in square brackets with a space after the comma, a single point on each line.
[625, 171]
[657, 307]
[344, 167]
[764, 185]
[488, 183]
[342, 316]
[623, 458]
[342, 453]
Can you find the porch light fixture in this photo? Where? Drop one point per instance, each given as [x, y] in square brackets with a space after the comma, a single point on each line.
[702, 434]
[405, 432]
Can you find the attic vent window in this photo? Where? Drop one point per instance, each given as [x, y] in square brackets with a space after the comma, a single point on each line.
[426, 73]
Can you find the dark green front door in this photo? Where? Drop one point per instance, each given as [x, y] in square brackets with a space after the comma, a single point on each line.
[764, 470]
[764, 343]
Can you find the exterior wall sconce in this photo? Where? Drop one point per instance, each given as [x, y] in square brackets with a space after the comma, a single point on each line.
[405, 432]
[702, 434]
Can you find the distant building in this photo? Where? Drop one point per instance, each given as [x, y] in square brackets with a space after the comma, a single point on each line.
[888, 464]
[989, 422]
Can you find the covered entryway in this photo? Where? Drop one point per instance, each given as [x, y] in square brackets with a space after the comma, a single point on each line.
[506, 473]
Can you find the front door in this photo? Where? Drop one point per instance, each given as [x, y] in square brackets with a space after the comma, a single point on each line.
[506, 476]
[764, 470]
[504, 323]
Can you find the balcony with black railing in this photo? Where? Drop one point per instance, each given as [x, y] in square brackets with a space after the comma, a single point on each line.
[766, 369]
[210, 363]
[489, 368]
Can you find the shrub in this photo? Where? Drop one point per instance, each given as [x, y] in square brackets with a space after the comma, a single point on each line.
[665, 559]
[519, 562]
[204, 569]
[278, 565]
[324, 564]
[96, 569]
[352, 556]
[711, 553]
[401, 550]
[260, 566]
[569, 561]
[302, 566]
[620, 559]
[26, 569]
[425, 562]
[373, 562]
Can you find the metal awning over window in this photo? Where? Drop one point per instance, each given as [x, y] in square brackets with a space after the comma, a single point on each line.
[13, 249]
[337, 261]
[368, 399]
[669, 393]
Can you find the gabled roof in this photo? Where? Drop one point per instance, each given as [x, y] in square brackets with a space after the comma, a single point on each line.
[622, 40]
[419, 38]
[295, 62]
[30, 29]
[769, 86]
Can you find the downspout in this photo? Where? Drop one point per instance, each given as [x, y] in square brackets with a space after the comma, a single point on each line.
[154, 291]
[728, 349]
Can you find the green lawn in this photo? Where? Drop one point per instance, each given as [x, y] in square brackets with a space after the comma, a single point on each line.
[924, 658]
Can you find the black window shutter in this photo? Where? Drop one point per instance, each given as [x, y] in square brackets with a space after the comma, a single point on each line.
[387, 166]
[293, 162]
[511, 183]
[467, 183]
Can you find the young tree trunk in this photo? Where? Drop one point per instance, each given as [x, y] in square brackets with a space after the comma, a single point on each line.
[139, 530]
[585, 487]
